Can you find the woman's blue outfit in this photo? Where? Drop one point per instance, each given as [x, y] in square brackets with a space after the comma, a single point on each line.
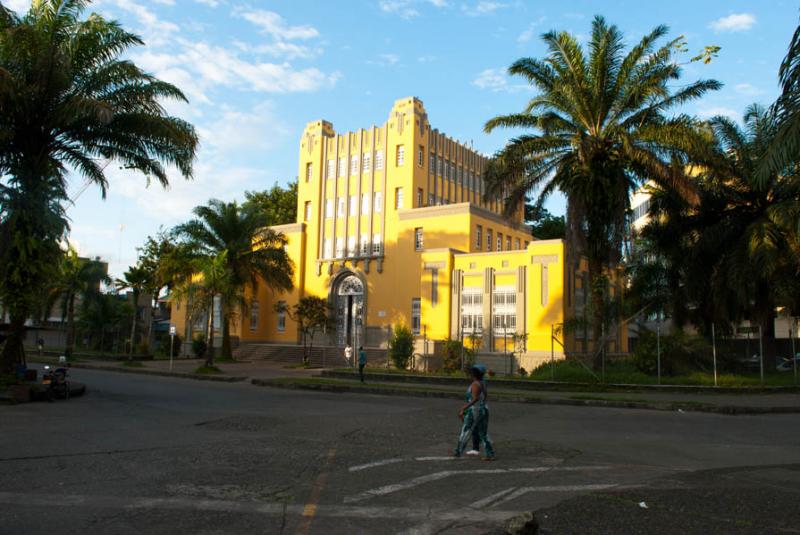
[475, 418]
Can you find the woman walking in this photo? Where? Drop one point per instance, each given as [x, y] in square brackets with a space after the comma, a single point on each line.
[475, 416]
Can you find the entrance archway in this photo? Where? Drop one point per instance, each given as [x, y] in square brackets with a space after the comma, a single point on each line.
[348, 294]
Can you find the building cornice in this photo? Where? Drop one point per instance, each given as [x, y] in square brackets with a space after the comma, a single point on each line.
[457, 209]
[289, 228]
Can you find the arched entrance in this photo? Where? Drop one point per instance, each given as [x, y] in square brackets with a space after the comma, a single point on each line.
[348, 294]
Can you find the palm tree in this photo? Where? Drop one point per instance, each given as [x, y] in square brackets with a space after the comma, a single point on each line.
[68, 101]
[137, 280]
[79, 278]
[785, 149]
[761, 214]
[600, 128]
[253, 253]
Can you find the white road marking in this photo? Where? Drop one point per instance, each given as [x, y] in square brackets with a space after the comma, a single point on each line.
[417, 481]
[440, 458]
[271, 509]
[552, 488]
[374, 464]
[491, 498]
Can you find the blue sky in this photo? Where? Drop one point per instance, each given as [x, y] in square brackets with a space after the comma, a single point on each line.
[256, 72]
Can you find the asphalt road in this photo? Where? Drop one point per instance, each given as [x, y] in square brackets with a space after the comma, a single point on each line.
[161, 455]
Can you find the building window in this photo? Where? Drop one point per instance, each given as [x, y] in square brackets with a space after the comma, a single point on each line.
[353, 204]
[365, 163]
[340, 207]
[447, 170]
[377, 246]
[378, 203]
[479, 238]
[527, 243]
[420, 197]
[432, 162]
[364, 245]
[307, 211]
[342, 166]
[508, 243]
[398, 198]
[441, 167]
[421, 156]
[339, 247]
[516, 244]
[365, 203]
[504, 310]
[354, 165]
[489, 239]
[331, 169]
[416, 316]
[281, 316]
[329, 209]
[471, 311]
[351, 246]
[431, 199]
[419, 244]
[401, 155]
[434, 287]
[499, 242]
[378, 160]
[309, 171]
[327, 248]
[254, 312]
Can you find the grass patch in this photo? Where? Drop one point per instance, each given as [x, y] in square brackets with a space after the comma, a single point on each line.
[208, 370]
[132, 364]
[601, 398]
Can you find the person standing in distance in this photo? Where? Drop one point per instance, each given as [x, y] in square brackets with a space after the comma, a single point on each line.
[348, 354]
[362, 361]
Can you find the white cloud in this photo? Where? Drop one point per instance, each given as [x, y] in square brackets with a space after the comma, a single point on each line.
[405, 8]
[484, 7]
[384, 60]
[735, 22]
[18, 6]
[218, 66]
[155, 30]
[713, 111]
[748, 89]
[273, 24]
[527, 35]
[281, 49]
[209, 3]
[251, 131]
[491, 79]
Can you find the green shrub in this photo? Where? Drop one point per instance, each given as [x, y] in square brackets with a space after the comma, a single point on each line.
[164, 343]
[401, 347]
[199, 347]
[452, 352]
[681, 353]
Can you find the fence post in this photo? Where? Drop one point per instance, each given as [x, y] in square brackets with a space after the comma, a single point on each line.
[761, 352]
[714, 351]
[388, 341]
[658, 350]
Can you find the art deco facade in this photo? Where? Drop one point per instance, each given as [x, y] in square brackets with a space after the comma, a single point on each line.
[392, 227]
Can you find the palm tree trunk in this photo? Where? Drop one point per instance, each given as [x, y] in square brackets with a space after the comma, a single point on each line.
[597, 289]
[210, 337]
[70, 343]
[14, 349]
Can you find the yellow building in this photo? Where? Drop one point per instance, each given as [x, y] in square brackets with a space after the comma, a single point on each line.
[392, 228]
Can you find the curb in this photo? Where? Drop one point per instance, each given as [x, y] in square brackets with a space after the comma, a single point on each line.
[531, 384]
[730, 410]
[181, 375]
[76, 389]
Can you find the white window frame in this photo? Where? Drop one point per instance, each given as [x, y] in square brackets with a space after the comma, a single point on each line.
[342, 166]
[329, 209]
[327, 248]
[331, 169]
[255, 313]
[400, 157]
[421, 157]
[307, 211]
[378, 160]
[364, 251]
[366, 163]
[419, 239]
[339, 253]
[352, 249]
[377, 245]
[398, 198]
[309, 171]
[416, 315]
[353, 165]
[479, 236]
[378, 202]
[365, 203]
[340, 207]
[353, 204]
[281, 319]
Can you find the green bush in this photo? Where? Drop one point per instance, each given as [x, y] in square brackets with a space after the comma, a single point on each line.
[401, 347]
[681, 353]
[164, 343]
[199, 347]
[452, 351]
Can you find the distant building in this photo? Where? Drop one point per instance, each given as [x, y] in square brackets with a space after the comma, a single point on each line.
[393, 228]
